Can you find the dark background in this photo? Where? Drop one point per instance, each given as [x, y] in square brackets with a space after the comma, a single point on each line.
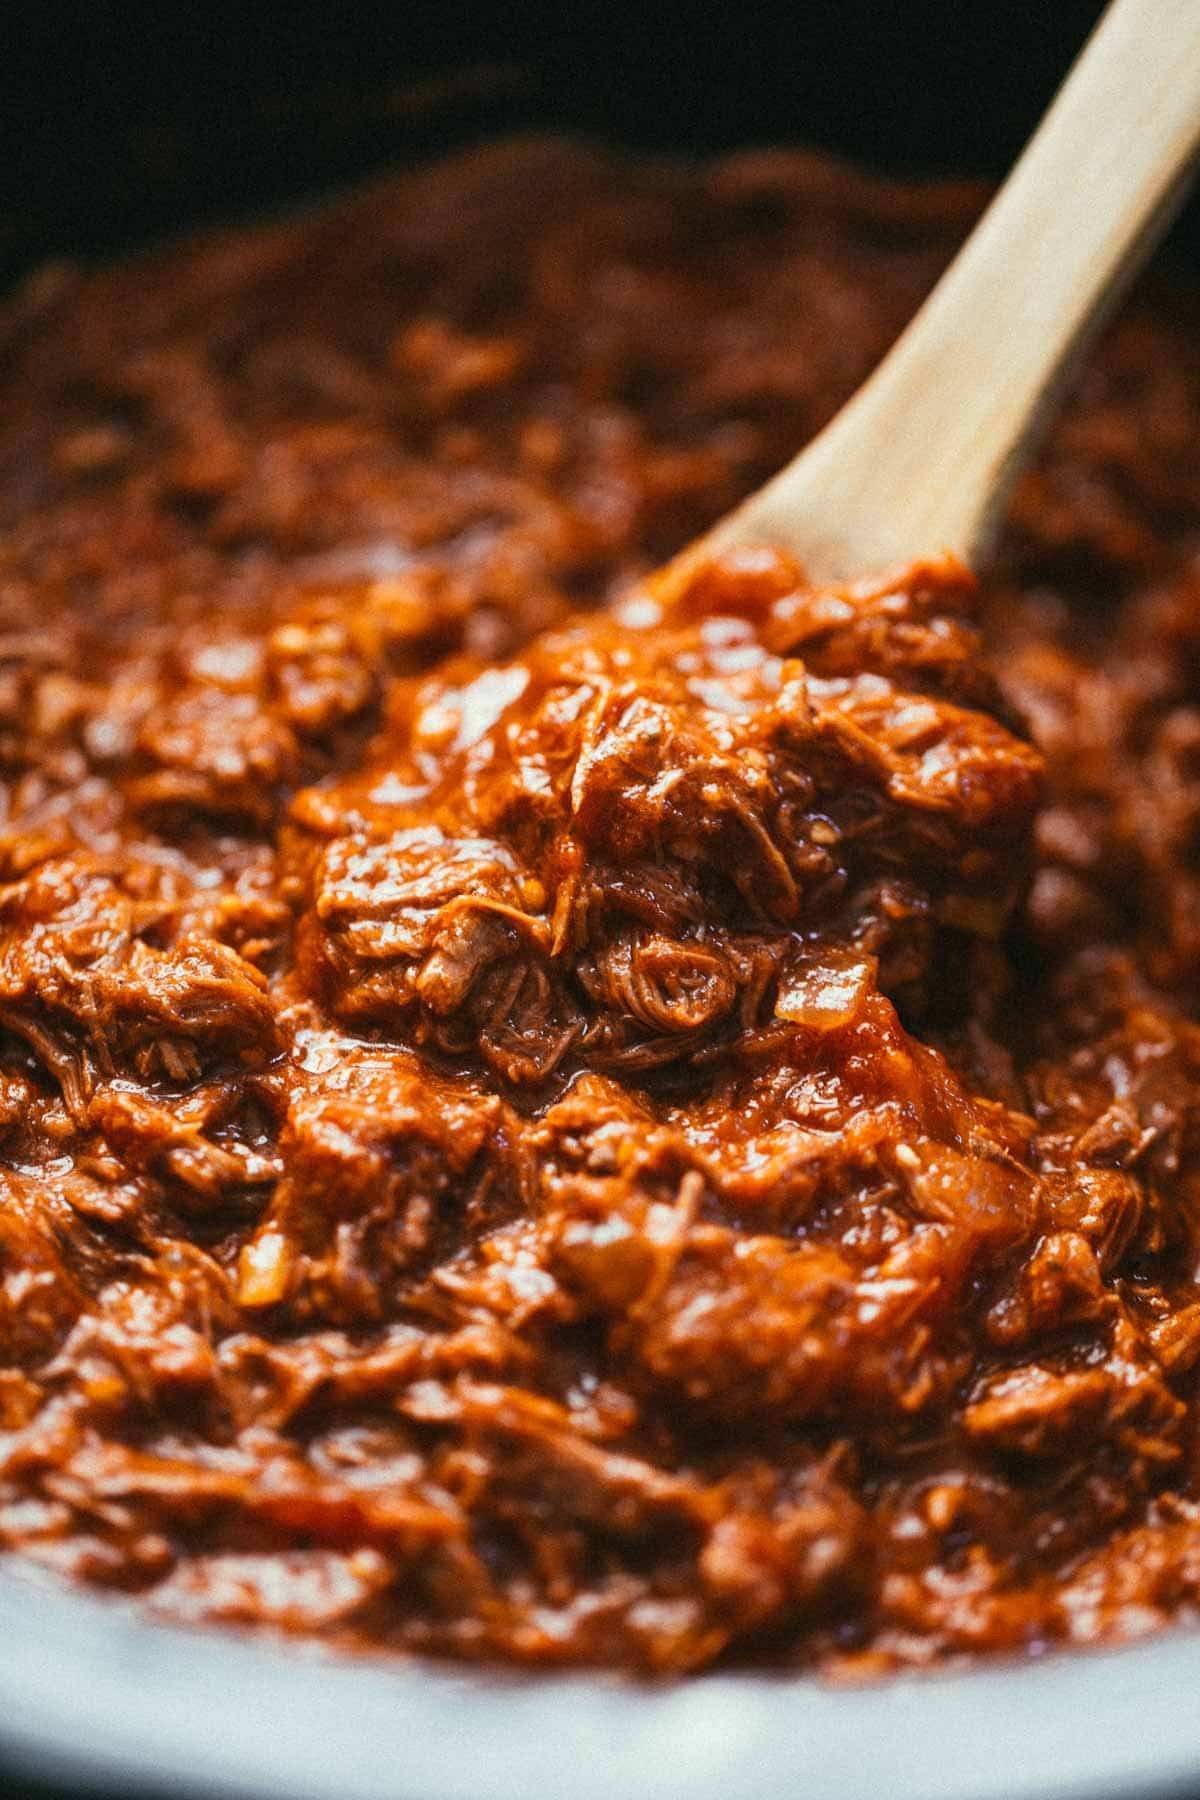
[122, 122]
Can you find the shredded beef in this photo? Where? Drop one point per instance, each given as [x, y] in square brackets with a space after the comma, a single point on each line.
[546, 1118]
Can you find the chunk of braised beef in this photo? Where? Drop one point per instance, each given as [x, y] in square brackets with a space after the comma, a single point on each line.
[766, 799]
[84, 983]
[373, 1159]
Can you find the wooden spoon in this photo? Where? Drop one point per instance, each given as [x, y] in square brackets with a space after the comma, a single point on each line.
[922, 458]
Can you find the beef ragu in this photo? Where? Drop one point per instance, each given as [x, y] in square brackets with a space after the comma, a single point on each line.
[547, 1120]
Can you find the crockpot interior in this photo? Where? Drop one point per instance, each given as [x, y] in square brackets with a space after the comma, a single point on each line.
[123, 122]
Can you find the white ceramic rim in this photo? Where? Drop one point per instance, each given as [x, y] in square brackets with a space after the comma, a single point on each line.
[92, 1695]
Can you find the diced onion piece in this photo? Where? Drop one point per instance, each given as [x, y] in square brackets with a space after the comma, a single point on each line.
[264, 1269]
[826, 991]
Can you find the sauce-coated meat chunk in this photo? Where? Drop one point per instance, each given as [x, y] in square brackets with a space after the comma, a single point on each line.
[653, 833]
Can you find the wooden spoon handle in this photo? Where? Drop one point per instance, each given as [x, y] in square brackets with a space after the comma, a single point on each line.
[922, 458]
